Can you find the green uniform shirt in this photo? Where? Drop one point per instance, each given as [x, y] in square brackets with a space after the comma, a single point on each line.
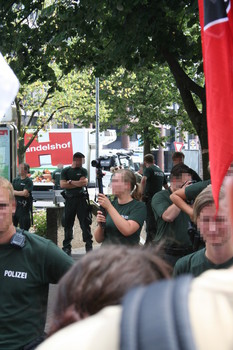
[75, 174]
[192, 191]
[22, 184]
[155, 179]
[56, 176]
[196, 263]
[173, 233]
[25, 274]
[133, 210]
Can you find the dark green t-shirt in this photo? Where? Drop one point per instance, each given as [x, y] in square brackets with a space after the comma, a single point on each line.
[173, 233]
[155, 179]
[133, 210]
[22, 184]
[56, 176]
[75, 174]
[25, 275]
[196, 263]
[192, 191]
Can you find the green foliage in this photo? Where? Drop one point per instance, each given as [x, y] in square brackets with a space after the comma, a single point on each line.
[142, 100]
[130, 33]
[39, 222]
[137, 34]
[25, 43]
[107, 35]
[71, 101]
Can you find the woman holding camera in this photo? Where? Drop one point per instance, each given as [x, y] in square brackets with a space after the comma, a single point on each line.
[125, 216]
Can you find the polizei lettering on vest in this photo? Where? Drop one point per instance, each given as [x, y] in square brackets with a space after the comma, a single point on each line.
[157, 173]
[48, 146]
[15, 274]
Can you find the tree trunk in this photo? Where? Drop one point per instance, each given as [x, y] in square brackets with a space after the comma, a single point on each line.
[125, 140]
[21, 151]
[161, 152]
[186, 87]
[146, 141]
[203, 137]
[21, 148]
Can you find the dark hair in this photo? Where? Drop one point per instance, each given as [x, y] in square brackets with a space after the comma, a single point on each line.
[101, 278]
[204, 199]
[78, 155]
[129, 177]
[180, 169]
[178, 155]
[149, 158]
[26, 167]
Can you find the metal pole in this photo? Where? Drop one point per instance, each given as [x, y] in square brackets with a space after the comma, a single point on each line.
[97, 116]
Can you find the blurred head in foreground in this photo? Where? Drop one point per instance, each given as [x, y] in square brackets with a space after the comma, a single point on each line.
[101, 279]
[215, 228]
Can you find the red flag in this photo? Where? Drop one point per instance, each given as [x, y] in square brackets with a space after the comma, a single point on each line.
[217, 46]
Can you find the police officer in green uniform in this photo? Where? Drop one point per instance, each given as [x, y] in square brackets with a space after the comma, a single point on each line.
[153, 181]
[73, 180]
[125, 215]
[28, 264]
[172, 223]
[134, 210]
[23, 186]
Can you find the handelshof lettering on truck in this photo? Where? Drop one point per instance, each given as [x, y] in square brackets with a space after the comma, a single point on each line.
[48, 147]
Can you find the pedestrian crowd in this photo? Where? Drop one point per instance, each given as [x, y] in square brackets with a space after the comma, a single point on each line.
[122, 295]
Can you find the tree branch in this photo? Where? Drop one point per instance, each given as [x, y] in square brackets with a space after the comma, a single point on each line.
[42, 125]
[19, 117]
[47, 97]
[183, 78]
[186, 86]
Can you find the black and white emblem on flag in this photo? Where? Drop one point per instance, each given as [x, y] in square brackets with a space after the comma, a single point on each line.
[215, 11]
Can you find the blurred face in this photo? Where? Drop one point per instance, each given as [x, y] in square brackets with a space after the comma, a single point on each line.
[229, 175]
[7, 209]
[230, 170]
[179, 181]
[178, 160]
[215, 230]
[22, 171]
[78, 162]
[119, 186]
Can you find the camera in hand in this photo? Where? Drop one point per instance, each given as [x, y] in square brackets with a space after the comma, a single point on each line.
[102, 162]
[99, 164]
